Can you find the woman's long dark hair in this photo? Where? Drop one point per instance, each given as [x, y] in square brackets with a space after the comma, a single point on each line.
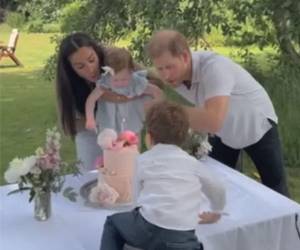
[72, 90]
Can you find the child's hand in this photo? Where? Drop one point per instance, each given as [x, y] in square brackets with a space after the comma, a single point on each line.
[90, 124]
[209, 217]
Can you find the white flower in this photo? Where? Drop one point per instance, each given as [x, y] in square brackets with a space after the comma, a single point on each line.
[56, 143]
[106, 138]
[50, 132]
[57, 135]
[204, 149]
[103, 194]
[39, 151]
[12, 174]
[18, 168]
[28, 164]
[36, 170]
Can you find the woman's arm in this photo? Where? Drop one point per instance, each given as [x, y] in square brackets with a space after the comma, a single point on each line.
[90, 107]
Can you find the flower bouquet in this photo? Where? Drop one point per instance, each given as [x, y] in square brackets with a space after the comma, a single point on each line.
[197, 144]
[42, 173]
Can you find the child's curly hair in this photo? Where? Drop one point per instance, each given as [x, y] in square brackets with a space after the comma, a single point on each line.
[167, 123]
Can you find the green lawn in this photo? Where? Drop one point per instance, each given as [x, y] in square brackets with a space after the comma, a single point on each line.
[27, 101]
[27, 104]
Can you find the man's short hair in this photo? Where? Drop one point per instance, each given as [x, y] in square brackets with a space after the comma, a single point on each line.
[167, 123]
[167, 41]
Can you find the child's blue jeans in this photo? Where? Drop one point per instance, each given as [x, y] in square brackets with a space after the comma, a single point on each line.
[133, 229]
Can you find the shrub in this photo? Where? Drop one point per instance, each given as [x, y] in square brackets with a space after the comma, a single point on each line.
[51, 27]
[2, 15]
[35, 26]
[215, 38]
[15, 20]
[284, 90]
[72, 17]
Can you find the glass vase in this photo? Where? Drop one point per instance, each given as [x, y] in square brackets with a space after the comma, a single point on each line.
[42, 205]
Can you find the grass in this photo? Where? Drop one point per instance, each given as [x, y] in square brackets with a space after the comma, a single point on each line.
[28, 104]
[27, 101]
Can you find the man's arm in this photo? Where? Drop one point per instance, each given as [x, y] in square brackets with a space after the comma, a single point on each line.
[209, 118]
[156, 93]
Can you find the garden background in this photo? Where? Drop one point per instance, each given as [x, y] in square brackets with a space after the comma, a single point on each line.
[262, 35]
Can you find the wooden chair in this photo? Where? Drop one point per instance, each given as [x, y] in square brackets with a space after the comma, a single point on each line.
[9, 49]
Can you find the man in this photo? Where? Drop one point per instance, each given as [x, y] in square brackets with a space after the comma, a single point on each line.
[229, 103]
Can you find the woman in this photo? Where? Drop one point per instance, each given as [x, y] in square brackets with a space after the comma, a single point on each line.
[80, 59]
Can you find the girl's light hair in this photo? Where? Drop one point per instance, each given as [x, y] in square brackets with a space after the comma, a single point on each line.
[119, 58]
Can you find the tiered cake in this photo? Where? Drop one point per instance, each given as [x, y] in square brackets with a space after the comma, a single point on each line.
[115, 181]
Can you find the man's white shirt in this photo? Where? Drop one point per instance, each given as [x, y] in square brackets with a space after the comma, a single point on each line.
[250, 106]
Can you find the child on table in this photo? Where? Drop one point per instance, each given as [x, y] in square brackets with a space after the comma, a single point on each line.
[169, 188]
[119, 77]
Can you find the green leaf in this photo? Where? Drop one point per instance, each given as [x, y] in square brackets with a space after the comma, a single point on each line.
[18, 190]
[70, 194]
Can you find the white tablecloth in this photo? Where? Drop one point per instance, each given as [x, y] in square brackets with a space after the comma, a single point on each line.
[258, 219]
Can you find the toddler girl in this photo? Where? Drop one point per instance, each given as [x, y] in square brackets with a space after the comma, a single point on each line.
[119, 77]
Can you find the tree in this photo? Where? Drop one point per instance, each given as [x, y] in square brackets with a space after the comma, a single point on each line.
[274, 22]
[260, 22]
[137, 19]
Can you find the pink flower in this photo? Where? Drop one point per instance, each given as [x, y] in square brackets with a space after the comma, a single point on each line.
[99, 162]
[128, 137]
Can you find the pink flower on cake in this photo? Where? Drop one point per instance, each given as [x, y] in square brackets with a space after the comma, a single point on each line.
[129, 137]
[99, 162]
[108, 139]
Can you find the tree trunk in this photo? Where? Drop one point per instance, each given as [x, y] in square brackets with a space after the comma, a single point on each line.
[286, 44]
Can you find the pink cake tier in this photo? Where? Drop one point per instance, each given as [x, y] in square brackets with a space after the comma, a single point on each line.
[118, 171]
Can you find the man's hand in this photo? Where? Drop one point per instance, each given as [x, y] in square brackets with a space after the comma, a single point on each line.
[155, 92]
[209, 217]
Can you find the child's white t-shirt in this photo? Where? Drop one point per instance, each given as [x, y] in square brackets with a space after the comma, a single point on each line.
[170, 187]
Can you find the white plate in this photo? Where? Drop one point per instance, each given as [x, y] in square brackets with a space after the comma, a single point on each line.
[85, 192]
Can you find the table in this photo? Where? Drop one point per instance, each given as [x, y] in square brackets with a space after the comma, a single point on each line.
[258, 219]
